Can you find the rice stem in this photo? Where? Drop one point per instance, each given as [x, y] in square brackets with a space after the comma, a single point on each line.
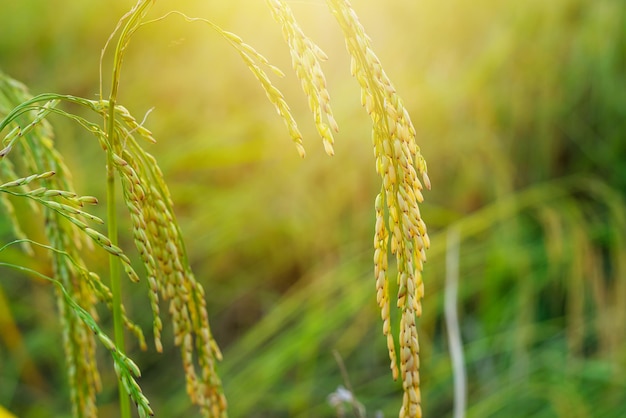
[114, 267]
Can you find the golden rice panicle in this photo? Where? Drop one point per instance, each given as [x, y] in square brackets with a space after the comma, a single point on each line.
[381, 238]
[135, 199]
[159, 242]
[190, 321]
[305, 58]
[398, 162]
[250, 57]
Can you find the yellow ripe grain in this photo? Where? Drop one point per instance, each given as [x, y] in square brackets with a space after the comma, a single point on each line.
[381, 279]
[407, 225]
[393, 215]
[397, 233]
[397, 149]
[384, 313]
[394, 245]
[415, 410]
[404, 134]
[426, 240]
[418, 195]
[409, 361]
[386, 326]
[391, 174]
[410, 285]
[421, 226]
[385, 262]
[377, 256]
[426, 179]
[328, 147]
[413, 395]
[419, 241]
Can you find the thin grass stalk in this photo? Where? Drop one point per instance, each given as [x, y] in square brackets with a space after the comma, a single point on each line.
[452, 322]
[357, 408]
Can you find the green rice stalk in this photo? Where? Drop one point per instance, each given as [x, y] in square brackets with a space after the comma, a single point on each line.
[132, 21]
[158, 239]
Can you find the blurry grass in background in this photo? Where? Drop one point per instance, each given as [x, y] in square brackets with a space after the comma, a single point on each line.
[520, 109]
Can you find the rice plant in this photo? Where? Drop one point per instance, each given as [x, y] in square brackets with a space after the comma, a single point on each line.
[28, 147]
[517, 108]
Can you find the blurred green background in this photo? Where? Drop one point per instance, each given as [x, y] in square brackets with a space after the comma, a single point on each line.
[520, 109]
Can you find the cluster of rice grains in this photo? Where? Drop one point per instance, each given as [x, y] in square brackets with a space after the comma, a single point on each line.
[34, 145]
[305, 58]
[160, 245]
[399, 227]
[398, 162]
[156, 235]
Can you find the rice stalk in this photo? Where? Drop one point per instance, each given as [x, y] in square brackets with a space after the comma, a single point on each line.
[155, 230]
[130, 22]
[127, 369]
[158, 239]
[36, 142]
[305, 58]
[156, 234]
[398, 162]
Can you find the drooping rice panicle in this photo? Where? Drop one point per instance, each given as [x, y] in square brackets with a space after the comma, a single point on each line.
[35, 140]
[33, 137]
[305, 58]
[158, 239]
[252, 58]
[398, 162]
